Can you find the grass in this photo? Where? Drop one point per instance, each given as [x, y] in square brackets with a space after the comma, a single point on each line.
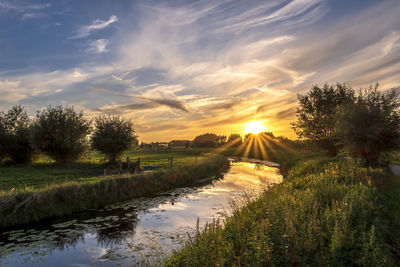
[44, 173]
[327, 212]
[33, 204]
[395, 158]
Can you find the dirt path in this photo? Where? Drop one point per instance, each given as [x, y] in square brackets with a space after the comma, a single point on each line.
[395, 169]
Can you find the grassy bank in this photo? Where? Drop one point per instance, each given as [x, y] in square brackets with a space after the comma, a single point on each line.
[21, 207]
[44, 172]
[326, 212]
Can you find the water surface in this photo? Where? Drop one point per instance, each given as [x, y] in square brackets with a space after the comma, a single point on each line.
[136, 231]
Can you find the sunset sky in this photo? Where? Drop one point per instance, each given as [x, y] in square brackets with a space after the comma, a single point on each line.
[181, 68]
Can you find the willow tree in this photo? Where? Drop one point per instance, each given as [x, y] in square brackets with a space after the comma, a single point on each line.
[112, 136]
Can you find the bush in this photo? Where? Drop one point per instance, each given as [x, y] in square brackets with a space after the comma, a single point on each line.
[371, 125]
[206, 140]
[317, 115]
[15, 134]
[60, 133]
[112, 136]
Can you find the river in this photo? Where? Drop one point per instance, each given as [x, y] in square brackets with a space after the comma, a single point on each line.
[143, 230]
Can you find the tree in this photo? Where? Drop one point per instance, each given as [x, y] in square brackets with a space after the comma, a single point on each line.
[317, 114]
[371, 125]
[3, 138]
[15, 135]
[205, 140]
[60, 133]
[221, 139]
[235, 139]
[112, 136]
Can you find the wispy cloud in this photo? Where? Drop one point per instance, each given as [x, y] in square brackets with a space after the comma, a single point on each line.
[98, 46]
[26, 11]
[97, 24]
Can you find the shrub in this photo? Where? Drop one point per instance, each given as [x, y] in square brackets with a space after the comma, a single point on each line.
[205, 140]
[371, 125]
[112, 136]
[317, 114]
[15, 134]
[60, 133]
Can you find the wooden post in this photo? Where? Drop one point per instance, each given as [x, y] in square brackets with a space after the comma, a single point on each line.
[128, 163]
[138, 165]
[120, 166]
[195, 160]
[171, 162]
[105, 173]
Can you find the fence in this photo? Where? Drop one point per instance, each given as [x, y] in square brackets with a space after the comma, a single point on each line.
[139, 164]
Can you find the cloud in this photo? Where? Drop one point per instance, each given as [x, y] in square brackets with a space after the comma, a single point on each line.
[10, 91]
[215, 65]
[98, 46]
[118, 109]
[26, 11]
[97, 24]
[285, 114]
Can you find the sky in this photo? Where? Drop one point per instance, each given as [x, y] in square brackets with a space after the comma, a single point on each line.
[182, 68]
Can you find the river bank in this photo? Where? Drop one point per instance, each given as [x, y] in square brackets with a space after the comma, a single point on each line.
[138, 231]
[17, 208]
[328, 211]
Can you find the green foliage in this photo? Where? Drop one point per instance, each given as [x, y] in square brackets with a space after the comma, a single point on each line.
[21, 207]
[234, 139]
[206, 140]
[328, 213]
[112, 136]
[60, 133]
[371, 125]
[317, 114]
[15, 135]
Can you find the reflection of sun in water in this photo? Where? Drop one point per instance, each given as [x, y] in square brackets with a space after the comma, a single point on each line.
[255, 127]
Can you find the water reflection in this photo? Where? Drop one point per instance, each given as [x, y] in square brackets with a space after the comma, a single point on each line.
[136, 230]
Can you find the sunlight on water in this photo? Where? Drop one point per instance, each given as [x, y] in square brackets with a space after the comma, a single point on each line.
[140, 230]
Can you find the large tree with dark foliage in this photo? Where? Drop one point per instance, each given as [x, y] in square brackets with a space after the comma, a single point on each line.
[15, 135]
[235, 139]
[206, 140]
[370, 125]
[112, 136]
[317, 114]
[60, 133]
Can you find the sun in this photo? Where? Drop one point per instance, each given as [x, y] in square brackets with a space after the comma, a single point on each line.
[255, 127]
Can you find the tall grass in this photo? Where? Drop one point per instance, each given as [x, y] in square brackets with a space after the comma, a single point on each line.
[326, 213]
[26, 206]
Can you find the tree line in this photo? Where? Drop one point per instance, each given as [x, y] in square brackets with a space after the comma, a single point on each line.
[62, 134]
[336, 117]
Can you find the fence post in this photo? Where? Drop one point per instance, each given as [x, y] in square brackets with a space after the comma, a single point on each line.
[128, 163]
[171, 162]
[195, 160]
[120, 166]
[138, 165]
[105, 173]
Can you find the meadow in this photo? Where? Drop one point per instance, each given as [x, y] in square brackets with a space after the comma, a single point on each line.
[44, 172]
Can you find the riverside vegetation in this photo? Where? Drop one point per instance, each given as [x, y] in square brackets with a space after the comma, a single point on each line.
[328, 211]
[29, 205]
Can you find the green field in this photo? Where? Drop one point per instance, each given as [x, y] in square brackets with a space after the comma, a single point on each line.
[44, 172]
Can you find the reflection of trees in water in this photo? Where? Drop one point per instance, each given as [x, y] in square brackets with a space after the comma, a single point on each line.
[117, 233]
[258, 166]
